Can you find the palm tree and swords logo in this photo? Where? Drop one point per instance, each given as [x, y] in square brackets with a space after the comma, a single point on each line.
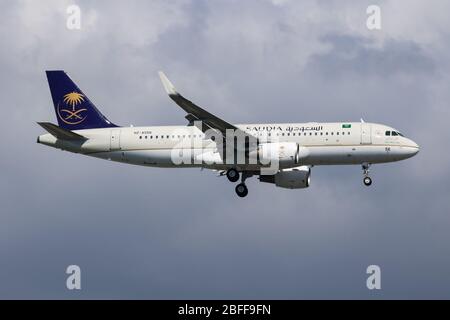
[70, 114]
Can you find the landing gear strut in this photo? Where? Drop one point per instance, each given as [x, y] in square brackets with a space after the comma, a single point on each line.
[367, 180]
[241, 188]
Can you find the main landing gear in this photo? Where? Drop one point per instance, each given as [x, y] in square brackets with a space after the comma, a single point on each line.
[367, 180]
[233, 175]
[241, 190]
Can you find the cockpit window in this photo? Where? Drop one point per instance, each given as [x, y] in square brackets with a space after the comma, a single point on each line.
[394, 133]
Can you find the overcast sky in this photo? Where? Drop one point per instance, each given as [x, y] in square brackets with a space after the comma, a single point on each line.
[140, 232]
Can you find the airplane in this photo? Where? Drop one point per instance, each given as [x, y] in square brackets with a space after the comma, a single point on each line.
[280, 154]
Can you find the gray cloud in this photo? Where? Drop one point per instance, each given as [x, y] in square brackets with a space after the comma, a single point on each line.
[154, 233]
[356, 56]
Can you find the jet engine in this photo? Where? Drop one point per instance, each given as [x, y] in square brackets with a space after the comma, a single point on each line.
[295, 178]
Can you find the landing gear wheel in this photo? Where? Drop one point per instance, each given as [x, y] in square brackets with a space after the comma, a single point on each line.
[241, 190]
[367, 181]
[233, 175]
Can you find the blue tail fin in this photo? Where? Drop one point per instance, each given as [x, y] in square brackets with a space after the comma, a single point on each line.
[73, 108]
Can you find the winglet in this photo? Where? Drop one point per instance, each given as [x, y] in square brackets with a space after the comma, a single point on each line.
[168, 86]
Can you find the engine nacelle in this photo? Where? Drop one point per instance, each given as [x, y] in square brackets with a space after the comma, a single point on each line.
[286, 154]
[295, 178]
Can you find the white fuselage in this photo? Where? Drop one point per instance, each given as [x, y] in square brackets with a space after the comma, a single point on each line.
[322, 143]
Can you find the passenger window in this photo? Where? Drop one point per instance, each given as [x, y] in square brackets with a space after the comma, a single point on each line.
[388, 133]
[332, 133]
[146, 137]
[315, 134]
[337, 133]
[140, 137]
[394, 133]
[310, 133]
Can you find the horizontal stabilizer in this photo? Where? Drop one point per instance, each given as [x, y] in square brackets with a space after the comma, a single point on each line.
[60, 133]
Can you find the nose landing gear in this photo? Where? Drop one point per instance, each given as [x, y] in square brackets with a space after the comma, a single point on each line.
[367, 180]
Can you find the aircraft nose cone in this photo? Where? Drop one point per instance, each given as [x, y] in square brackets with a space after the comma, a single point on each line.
[416, 147]
[411, 150]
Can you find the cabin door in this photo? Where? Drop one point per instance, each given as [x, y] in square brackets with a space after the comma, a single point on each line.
[115, 140]
[366, 133]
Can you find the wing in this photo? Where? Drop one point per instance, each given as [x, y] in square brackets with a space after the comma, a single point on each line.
[195, 113]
